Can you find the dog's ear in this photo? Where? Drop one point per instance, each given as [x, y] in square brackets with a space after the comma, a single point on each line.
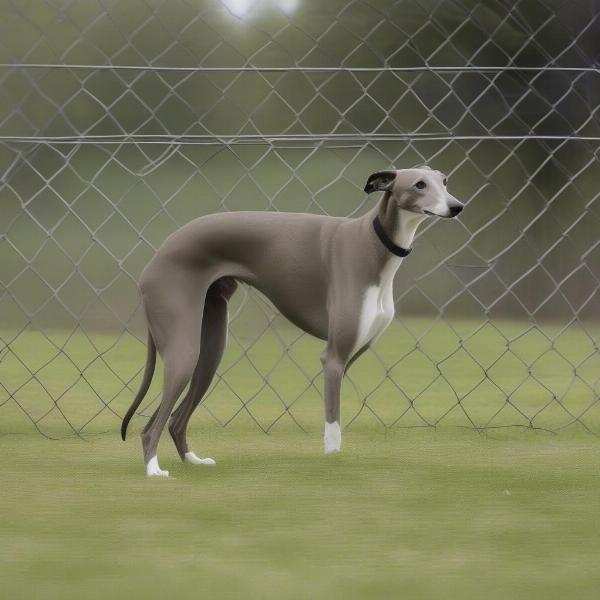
[380, 182]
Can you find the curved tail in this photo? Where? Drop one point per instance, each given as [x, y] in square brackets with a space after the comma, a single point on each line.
[148, 373]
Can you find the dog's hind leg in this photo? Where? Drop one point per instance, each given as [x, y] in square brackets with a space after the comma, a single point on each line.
[213, 341]
[177, 329]
[179, 362]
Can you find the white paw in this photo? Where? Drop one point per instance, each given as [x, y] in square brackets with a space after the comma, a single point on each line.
[333, 438]
[153, 469]
[191, 458]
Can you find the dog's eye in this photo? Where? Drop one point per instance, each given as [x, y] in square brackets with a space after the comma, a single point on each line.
[420, 185]
[445, 181]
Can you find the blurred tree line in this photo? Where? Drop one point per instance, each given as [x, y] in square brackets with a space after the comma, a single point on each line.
[527, 247]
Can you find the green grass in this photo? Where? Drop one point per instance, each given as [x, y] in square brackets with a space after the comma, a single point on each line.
[401, 513]
[412, 514]
[469, 374]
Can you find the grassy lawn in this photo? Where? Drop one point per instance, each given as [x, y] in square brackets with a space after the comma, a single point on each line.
[410, 514]
[423, 372]
[401, 513]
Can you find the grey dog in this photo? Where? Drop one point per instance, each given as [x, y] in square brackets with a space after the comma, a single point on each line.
[330, 276]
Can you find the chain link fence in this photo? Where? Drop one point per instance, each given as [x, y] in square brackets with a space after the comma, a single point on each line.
[120, 121]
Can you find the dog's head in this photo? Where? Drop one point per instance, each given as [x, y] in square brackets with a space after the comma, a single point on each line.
[422, 191]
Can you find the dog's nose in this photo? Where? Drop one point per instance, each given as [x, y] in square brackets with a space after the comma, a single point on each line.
[455, 210]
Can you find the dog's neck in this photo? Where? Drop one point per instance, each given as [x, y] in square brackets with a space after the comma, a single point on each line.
[399, 225]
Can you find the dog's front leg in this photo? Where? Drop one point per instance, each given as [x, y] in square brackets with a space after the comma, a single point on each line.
[333, 372]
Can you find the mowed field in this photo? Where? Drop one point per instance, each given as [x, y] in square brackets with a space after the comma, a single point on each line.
[413, 514]
[403, 512]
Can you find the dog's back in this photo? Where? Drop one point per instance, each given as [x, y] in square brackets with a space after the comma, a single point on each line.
[283, 255]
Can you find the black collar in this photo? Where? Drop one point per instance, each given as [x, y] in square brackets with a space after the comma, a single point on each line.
[385, 240]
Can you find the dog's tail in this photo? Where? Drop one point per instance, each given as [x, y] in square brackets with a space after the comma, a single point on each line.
[148, 373]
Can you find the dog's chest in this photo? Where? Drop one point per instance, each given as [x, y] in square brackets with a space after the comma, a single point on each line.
[377, 309]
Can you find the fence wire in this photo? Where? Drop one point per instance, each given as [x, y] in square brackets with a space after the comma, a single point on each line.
[119, 122]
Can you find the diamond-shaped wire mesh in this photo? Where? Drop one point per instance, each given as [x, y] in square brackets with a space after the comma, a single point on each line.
[119, 122]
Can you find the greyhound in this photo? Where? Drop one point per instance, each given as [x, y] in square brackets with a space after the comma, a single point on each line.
[330, 276]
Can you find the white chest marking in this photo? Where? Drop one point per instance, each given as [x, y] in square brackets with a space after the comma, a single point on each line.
[377, 309]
